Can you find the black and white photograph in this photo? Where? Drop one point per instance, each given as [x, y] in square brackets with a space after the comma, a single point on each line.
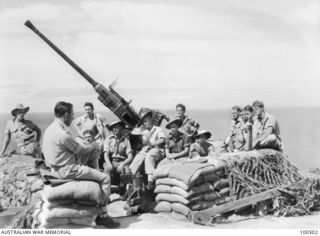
[159, 114]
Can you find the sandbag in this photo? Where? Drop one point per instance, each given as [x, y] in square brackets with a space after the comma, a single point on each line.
[171, 189]
[224, 191]
[84, 221]
[163, 206]
[178, 216]
[161, 188]
[214, 176]
[172, 182]
[77, 190]
[196, 198]
[70, 211]
[180, 208]
[221, 183]
[55, 182]
[188, 173]
[210, 196]
[195, 190]
[223, 200]
[52, 204]
[203, 188]
[180, 191]
[218, 163]
[169, 197]
[202, 205]
[202, 172]
[163, 168]
[198, 181]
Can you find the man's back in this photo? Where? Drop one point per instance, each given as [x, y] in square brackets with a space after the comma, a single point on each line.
[59, 147]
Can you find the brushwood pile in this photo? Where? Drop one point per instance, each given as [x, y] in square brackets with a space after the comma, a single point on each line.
[183, 187]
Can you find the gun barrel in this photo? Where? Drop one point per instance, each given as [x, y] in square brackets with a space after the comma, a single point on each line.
[64, 56]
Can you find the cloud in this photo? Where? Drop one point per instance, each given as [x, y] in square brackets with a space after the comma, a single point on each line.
[204, 53]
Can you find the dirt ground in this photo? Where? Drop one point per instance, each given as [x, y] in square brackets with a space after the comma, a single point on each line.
[165, 221]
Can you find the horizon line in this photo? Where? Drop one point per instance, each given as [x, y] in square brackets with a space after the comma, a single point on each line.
[188, 109]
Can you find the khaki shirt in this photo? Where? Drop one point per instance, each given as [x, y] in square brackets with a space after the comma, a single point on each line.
[260, 125]
[59, 147]
[235, 125]
[177, 144]
[117, 148]
[152, 136]
[21, 132]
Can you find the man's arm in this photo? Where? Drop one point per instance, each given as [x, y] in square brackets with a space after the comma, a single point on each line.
[77, 125]
[128, 160]
[211, 150]
[157, 143]
[108, 164]
[161, 139]
[183, 153]
[74, 147]
[37, 131]
[6, 142]
[263, 136]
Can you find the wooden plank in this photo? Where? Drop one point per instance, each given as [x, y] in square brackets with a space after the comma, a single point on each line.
[204, 217]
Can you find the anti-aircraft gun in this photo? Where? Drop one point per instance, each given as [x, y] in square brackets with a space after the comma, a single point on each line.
[121, 108]
[108, 97]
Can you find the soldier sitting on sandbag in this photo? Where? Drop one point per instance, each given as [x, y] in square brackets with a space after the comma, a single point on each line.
[177, 144]
[152, 152]
[68, 159]
[266, 130]
[201, 148]
[24, 132]
[117, 154]
[231, 142]
[189, 125]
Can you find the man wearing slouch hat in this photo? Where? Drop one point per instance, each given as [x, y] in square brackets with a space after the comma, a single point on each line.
[117, 154]
[25, 133]
[152, 151]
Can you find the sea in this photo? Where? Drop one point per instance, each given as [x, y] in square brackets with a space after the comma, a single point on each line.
[299, 127]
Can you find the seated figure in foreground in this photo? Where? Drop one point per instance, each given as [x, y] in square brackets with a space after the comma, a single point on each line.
[117, 154]
[201, 148]
[152, 151]
[177, 143]
[70, 160]
[189, 125]
[246, 128]
[266, 129]
[233, 141]
[24, 132]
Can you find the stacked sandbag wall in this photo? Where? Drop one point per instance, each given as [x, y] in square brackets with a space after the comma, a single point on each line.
[74, 202]
[185, 187]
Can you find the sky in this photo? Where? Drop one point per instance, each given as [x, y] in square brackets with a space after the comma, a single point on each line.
[206, 54]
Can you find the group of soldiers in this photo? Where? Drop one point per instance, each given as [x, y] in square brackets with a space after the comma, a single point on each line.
[95, 155]
[252, 127]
